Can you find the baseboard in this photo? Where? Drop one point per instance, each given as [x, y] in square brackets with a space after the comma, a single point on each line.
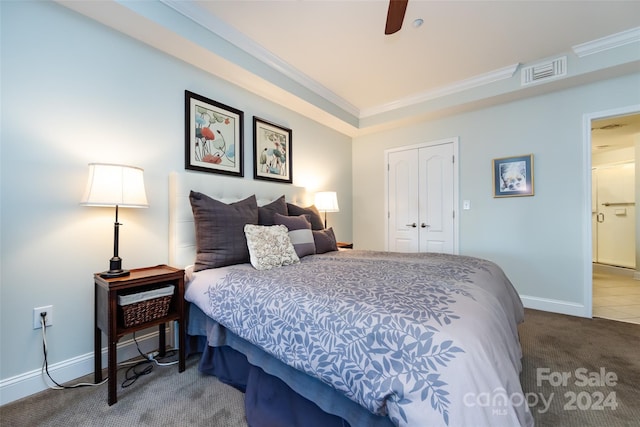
[32, 382]
[615, 270]
[555, 306]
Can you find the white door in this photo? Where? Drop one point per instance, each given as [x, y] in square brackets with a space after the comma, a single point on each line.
[403, 201]
[435, 198]
[421, 199]
[615, 218]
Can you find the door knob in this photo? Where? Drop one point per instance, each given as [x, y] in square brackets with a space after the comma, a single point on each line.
[423, 225]
[414, 225]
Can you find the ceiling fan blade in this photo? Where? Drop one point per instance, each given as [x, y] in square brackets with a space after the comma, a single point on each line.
[395, 15]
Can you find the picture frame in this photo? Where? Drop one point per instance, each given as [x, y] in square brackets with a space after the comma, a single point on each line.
[272, 151]
[214, 136]
[513, 176]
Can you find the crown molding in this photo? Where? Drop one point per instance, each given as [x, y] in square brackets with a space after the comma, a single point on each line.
[609, 42]
[473, 82]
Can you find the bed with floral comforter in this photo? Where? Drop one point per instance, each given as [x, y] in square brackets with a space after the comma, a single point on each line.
[425, 339]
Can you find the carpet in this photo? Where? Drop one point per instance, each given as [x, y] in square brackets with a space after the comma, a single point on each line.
[580, 372]
[164, 397]
[576, 372]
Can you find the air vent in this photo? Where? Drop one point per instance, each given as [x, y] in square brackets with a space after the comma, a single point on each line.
[544, 71]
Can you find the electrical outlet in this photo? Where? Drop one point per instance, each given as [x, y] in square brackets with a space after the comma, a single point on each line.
[37, 318]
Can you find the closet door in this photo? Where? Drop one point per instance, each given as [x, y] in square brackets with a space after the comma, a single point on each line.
[421, 199]
[403, 232]
[435, 198]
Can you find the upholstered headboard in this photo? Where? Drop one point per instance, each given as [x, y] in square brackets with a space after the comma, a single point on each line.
[182, 239]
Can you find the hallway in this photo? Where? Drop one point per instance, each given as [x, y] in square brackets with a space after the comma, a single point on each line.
[616, 297]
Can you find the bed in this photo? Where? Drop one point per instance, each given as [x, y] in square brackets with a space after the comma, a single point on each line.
[347, 338]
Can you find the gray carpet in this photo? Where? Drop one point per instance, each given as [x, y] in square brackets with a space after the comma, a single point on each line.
[554, 344]
[551, 342]
[162, 398]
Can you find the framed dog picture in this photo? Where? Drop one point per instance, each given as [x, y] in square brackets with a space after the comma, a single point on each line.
[513, 176]
[272, 152]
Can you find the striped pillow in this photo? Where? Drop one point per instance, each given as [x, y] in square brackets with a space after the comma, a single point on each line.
[299, 232]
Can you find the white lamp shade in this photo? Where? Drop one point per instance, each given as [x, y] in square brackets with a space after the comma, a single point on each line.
[327, 201]
[115, 185]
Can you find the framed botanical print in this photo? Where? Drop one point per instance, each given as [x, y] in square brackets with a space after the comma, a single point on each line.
[214, 136]
[272, 159]
[513, 176]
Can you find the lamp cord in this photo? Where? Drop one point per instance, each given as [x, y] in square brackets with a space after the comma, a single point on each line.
[131, 375]
[45, 364]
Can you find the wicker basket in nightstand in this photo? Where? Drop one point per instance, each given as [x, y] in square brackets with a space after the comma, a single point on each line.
[141, 307]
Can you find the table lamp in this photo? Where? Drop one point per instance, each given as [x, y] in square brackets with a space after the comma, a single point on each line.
[326, 201]
[119, 186]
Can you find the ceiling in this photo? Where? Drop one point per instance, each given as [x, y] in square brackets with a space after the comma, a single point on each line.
[330, 59]
[614, 133]
[342, 45]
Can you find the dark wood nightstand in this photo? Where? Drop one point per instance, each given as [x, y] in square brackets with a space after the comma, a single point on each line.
[344, 245]
[109, 320]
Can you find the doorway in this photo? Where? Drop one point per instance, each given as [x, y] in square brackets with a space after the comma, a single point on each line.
[614, 158]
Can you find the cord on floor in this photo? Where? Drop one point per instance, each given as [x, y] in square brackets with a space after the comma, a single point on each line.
[131, 375]
[45, 363]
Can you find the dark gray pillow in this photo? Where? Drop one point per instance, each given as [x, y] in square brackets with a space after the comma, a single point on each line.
[300, 233]
[266, 212]
[325, 240]
[220, 238]
[316, 220]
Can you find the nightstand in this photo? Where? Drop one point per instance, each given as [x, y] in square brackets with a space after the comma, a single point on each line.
[109, 318]
[344, 245]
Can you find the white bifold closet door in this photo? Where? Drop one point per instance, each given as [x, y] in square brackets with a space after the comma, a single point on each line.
[421, 199]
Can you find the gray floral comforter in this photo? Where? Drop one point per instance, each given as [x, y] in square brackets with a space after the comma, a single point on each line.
[426, 339]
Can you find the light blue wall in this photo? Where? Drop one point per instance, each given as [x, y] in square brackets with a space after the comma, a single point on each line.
[75, 92]
[537, 240]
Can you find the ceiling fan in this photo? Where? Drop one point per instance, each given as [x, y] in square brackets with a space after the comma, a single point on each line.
[395, 15]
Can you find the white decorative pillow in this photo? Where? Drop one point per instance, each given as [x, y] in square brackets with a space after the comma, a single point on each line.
[269, 246]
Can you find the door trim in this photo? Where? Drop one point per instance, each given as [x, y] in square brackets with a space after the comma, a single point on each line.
[587, 233]
[456, 201]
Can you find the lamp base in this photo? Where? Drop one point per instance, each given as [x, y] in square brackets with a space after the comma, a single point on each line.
[116, 273]
[115, 266]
